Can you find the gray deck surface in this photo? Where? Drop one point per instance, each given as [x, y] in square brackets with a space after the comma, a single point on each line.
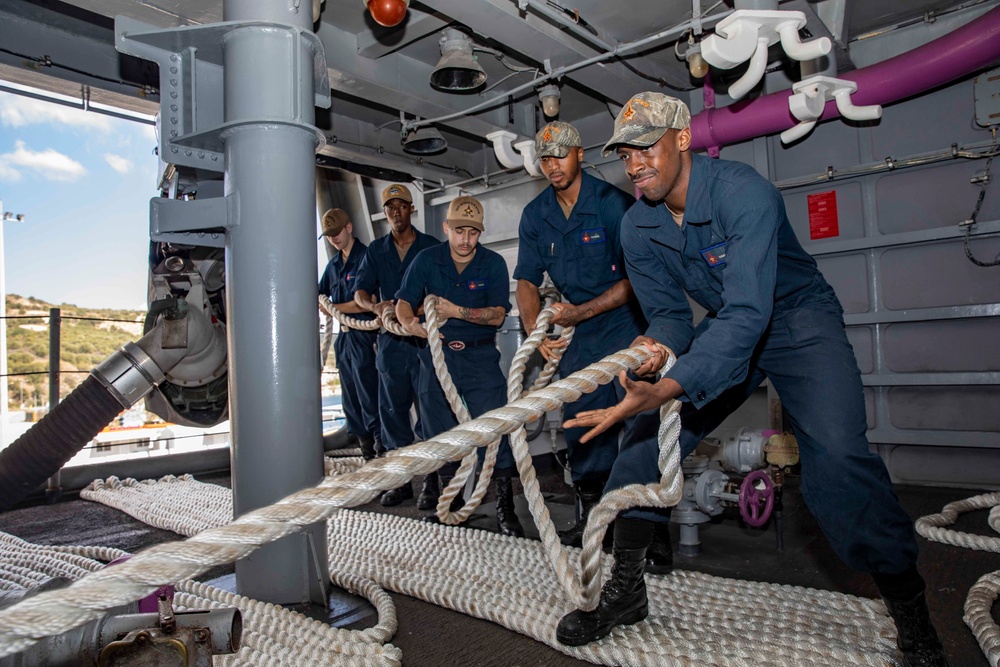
[431, 636]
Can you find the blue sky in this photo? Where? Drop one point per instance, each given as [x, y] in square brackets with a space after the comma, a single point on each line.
[83, 180]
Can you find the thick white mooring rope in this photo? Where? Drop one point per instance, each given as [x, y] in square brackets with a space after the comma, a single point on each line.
[272, 635]
[164, 563]
[984, 593]
[508, 581]
[46, 614]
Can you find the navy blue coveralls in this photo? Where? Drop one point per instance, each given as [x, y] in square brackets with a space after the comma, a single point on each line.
[381, 272]
[354, 350]
[583, 256]
[770, 314]
[470, 350]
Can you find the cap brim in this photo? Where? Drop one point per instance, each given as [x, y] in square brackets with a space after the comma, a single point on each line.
[634, 135]
[556, 152]
[458, 224]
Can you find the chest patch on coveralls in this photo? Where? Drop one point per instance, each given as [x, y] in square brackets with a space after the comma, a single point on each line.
[350, 276]
[476, 284]
[596, 235]
[715, 255]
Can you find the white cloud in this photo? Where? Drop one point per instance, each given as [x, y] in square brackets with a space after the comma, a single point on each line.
[49, 164]
[8, 172]
[18, 111]
[120, 164]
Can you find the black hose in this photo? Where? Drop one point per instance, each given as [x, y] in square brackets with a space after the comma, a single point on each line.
[49, 444]
[536, 429]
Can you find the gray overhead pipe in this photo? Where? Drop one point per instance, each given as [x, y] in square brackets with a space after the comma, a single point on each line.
[184, 342]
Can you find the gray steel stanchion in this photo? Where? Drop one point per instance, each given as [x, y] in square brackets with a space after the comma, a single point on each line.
[271, 289]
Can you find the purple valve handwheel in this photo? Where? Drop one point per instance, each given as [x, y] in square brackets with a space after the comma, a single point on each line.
[756, 504]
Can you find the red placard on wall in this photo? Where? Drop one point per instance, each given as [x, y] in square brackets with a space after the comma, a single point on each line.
[823, 222]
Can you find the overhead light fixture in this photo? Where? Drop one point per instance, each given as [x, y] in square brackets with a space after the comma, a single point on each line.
[387, 12]
[696, 63]
[549, 95]
[425, 140]
[457, 70]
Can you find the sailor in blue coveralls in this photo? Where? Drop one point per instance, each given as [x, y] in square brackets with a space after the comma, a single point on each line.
[718, 231]
[354, 350]
[473, 289]
[381, 273]
[570, 230]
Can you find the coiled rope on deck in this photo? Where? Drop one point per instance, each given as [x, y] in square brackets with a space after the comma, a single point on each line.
[272, 635]
[46, 613]
[984, 593]
[508, 581]
[862, 644]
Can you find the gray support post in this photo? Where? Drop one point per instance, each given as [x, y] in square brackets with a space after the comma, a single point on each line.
[271, 289]
[53, 490]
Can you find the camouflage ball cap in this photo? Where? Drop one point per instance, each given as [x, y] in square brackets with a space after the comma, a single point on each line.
[646, 118]
[556, 140]
[465, 211]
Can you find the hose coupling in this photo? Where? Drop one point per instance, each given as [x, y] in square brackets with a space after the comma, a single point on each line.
[129, 374]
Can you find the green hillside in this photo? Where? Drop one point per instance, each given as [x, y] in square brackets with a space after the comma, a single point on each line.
[83, 344]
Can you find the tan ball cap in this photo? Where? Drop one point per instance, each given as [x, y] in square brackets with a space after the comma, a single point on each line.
[396, 191]
[465, 211]
[334, 221]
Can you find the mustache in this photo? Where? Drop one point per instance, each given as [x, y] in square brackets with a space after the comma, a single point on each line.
[642, 174]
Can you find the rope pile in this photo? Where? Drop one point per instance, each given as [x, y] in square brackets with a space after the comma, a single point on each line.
[508, 581]
[271, 634]
[193, 506]
[985, 591]
[47, 614]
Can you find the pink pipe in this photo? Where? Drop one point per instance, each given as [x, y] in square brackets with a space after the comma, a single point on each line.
[972, 47]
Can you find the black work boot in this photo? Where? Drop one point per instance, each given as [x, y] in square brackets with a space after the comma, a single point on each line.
[429, 492]
[588, 494]
[917, 640]
[396, 496]
[623, 598]
[507, 521]
[367, 445]
[660, 555]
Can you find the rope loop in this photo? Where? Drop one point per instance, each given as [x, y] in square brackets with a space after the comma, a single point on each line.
[984, 593]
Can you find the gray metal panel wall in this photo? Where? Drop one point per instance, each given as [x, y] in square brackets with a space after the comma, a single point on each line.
[920, 315]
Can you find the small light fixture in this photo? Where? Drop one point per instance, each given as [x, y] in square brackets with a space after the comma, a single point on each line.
[549, 95]
[387, 12]
[457, 70]
[425, 140]
[697, 65]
